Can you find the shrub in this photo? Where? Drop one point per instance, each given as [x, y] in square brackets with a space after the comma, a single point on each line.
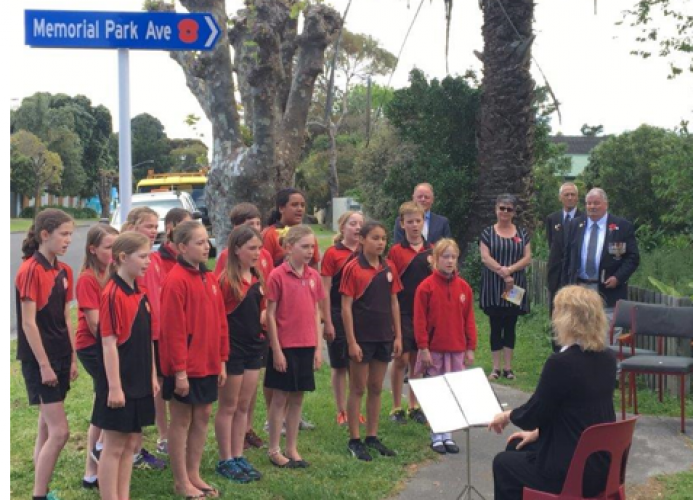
[77, 213]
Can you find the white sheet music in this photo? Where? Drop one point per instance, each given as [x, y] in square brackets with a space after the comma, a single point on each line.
[438, 403]
[474, 395]
[456, 400]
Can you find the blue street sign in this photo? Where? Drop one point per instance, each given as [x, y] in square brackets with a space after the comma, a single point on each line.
[120, 30]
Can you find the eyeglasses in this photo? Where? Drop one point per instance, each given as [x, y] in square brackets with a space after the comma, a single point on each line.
[506, 209]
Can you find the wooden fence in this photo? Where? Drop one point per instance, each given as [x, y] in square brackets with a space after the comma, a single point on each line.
[538, 294]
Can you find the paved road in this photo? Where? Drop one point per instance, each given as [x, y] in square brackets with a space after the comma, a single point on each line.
[73, 258]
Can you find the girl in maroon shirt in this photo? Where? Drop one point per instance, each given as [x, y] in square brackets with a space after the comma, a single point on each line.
[336, 257]
[44, 335]
[95, 273]
[127, 381]
[370, 312]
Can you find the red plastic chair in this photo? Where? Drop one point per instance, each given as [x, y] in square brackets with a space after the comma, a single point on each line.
[614, 438]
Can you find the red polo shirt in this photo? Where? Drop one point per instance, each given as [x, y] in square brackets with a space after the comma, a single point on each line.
[270, 240]
[264, 264]
[88, 293]
[50, 286]
[333, 262]
[296, 299]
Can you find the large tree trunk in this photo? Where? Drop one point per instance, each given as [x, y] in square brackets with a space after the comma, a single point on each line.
[506, 123]
[275, 96]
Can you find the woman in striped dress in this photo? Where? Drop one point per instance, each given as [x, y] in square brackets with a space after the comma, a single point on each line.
[505, 253]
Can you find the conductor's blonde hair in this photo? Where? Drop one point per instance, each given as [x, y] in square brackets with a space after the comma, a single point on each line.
[579, 318]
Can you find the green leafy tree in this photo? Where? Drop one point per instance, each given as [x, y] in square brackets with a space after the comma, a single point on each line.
[673, 183]
[149, 143]
[188, 155]
[625, 166]
[43, 168]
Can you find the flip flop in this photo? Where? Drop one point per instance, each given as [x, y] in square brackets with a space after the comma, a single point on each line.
[209, 492]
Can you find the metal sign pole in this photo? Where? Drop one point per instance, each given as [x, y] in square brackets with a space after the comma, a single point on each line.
[124, 134]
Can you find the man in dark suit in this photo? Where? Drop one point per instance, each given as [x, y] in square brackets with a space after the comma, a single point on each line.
[435, 226]
[601, 251]
[556, 225]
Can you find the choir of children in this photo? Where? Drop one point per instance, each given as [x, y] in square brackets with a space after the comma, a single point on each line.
[150, 320]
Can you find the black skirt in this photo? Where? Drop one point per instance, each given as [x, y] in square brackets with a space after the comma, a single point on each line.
[136, 414]
[203, 390]
[299, 375]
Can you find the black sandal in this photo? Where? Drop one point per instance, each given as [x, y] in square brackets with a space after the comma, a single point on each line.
[509, 374]
[495, 375]
[291, 464]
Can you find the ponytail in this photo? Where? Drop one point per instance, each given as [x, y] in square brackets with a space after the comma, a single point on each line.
[48, 220]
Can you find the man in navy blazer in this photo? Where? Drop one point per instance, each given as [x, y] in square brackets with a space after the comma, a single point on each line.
[435, 226]
[615, 250]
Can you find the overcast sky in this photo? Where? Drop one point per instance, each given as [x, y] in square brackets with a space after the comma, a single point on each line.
[584, 56]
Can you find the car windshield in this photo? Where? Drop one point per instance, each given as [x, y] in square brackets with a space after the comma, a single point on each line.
[198, 195]
[161, 207]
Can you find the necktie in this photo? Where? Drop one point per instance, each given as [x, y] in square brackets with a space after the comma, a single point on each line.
[567, 220]
[591, 264]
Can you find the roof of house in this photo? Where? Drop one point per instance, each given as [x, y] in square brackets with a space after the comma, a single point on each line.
[578, 144]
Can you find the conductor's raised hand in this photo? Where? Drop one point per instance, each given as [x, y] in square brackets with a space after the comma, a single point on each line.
[279, 361]
[525, 437]
[355, 352]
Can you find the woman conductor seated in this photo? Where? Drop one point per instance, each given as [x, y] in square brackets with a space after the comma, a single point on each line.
[574, 392]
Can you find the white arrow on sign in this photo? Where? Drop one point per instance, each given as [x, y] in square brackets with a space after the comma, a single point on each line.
[214, 29]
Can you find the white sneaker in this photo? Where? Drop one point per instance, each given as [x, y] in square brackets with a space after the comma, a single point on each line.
[266, 428]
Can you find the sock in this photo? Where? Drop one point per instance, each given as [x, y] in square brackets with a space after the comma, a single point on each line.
[90, 479]
[354, 441]
[370, 439]
[99, 445]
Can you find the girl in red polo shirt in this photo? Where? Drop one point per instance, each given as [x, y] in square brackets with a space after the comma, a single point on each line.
[336, 257]
[145, 220]
[95, 273]
[44, 336]
[293, 318]
[444, 324]
[194, 347]
[127, 382]
[167, 250]
[242, 286]
[370, 312]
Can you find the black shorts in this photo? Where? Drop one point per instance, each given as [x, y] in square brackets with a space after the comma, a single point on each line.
[157, 360]
[236, 365]
[376, 351]
[338, 351]
[136, 414]
[203, 390]
[408, 339]
[299, 375]
[40, 393]
[90, 357]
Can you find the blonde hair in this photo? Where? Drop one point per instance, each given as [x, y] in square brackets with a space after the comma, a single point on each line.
[343, 219]
[408, 208]
[578, 317]
[441, 246]
[295, 233]
[136, 216]
[128, 243]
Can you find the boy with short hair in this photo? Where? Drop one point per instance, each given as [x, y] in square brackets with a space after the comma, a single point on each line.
[411, 258]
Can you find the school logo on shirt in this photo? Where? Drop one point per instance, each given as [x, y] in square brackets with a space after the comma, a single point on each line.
[263, 263]
[262, 291]
[463, 298]
[389, 277]
[214, 289]
[65, 283]
[146, 306]
[311, 282]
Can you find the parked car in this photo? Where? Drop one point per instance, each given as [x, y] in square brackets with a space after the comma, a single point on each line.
[161, 202]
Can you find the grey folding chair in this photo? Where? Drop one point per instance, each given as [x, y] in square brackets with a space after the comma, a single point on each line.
[620, 331]
[661, 322]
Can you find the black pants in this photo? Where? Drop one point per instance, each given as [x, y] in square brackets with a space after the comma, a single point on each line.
[514, 469]
[503, 331]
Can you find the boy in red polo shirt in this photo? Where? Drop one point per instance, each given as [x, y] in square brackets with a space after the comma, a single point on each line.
[294, 290]
[411, 258]
[370, 313]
